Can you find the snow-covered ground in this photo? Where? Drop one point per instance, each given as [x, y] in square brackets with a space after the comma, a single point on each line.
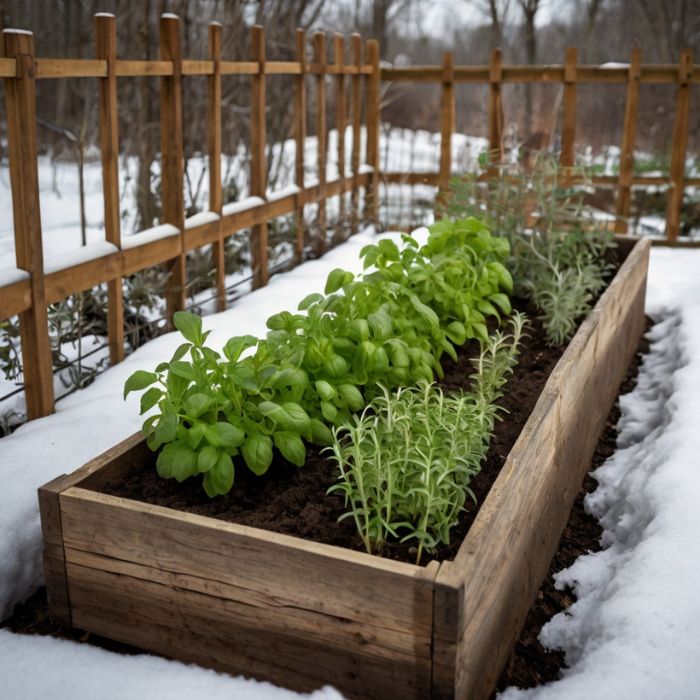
[633, 633]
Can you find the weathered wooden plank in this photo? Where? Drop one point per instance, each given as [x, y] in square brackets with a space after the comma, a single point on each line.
[214, 153]
[137, 68]
[356, 110]
[447, 124]
[680, 145]
[15, 298]
[20, 100]
[222, 634]
[373, 115]
[300, 142]
[629, 132]
[568, 131]
[70, 68]
[495, 114]
[71, 280]
[320, 57]
[258, 169]
[340, 123]
[172, 177]
[518, 526]
[106, 48]
[282, 590]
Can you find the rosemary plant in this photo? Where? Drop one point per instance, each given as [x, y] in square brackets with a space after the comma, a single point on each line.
[406, 462]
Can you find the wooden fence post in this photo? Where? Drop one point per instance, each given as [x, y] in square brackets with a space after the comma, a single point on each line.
[495, 108]
[568, 134]
[373, 116]
[106, 45]
[172, 157]
[300, 139]
[340, 124]
[629, 133]
[356, 106]
[20, 97]
[258, 168]
[674, 203]
[447, 125]
[320, 57]
[214, 147]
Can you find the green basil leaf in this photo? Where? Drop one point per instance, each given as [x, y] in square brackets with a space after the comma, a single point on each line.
[351, 396]
[502, 301]
[244, 376]
[329, 411]
[224, 435]
[195, 435]
[197, 404]
[164, 463]
[309, 300]
[425, 311]
[184, 463]
[457, 333]
[320, 433]
[150, 399]
[291, 447]
[190, 325]
[235, 347]
[207, 458]
[180, 352]
[257, 453]
[219, 479]
[167, 427]
[335, 281]
[325, 390]
[139, 380]
[336, 366]
[182, 369]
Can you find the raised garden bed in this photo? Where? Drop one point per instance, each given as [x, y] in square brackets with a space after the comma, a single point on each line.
[302, 613]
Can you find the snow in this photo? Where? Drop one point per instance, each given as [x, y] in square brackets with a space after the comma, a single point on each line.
[92, 251]
[149, 235]
[69, 670]
[243, 205]
[633, 632]
[10, 275]
[282, 193]
[204, 217]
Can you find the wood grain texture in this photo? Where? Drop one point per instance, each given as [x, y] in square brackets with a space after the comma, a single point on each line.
[447, 124]
[680, 145]
[373, 117]
[214, 160]
[258, 167]
[300, 143]
[568, 131]
[356, 117]
[172, 159]
[320, 56]
[495, 114]
[341, 119]
[278, 608]
[629, 133]
[20, 101]
[106, 49]
[518, 526]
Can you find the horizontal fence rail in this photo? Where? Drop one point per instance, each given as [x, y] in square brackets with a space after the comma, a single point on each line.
[356, 86]
[32, 286]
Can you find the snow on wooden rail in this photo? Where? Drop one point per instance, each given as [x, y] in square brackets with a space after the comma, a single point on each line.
[28, 296]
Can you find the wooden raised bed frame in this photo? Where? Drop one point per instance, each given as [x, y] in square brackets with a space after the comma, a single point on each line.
[303, 614]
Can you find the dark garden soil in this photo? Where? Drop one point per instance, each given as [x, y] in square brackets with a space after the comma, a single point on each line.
[294, 501]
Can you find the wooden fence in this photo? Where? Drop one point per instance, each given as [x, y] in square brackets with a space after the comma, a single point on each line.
[27, 290]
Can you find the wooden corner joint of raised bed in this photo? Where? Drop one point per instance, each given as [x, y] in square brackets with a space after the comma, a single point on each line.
[53, 553]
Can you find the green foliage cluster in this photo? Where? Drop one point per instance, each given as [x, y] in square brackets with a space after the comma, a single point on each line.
[406, 462]
[559, 250]
[316, 368]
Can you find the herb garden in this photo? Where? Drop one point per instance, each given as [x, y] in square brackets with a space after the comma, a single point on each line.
[359, 475]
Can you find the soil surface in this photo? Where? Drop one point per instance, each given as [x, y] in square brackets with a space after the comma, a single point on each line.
[294, 501]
